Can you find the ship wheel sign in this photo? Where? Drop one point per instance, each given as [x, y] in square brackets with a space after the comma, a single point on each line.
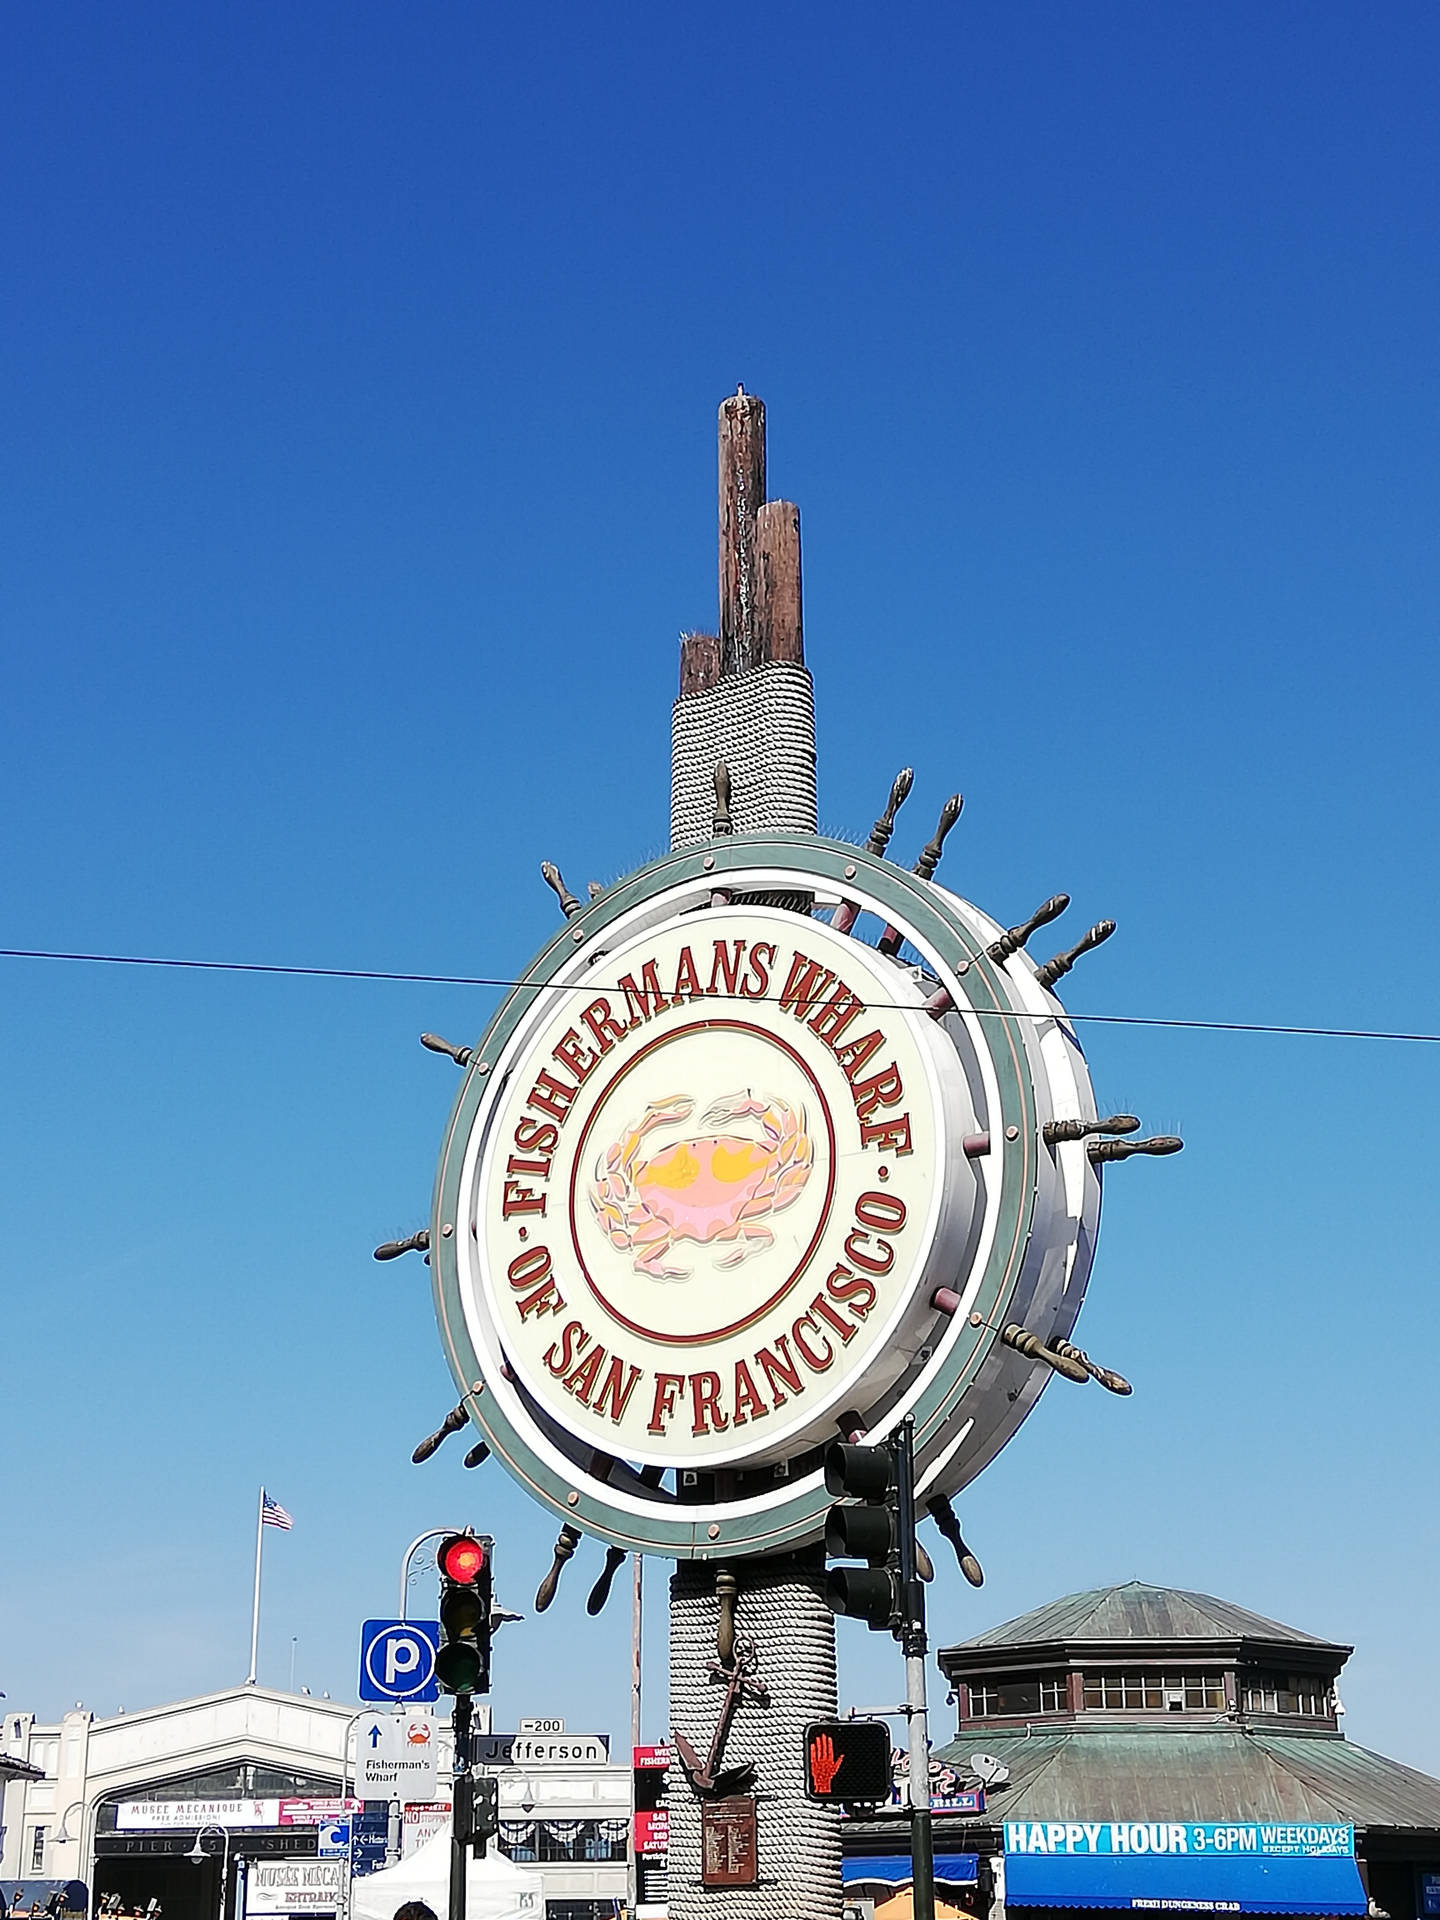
[727, 1179]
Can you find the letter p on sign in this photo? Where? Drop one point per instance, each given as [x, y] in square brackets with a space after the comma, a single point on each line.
[397, 1659]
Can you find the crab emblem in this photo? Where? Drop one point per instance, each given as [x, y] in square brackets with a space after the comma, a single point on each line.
[720, 1187]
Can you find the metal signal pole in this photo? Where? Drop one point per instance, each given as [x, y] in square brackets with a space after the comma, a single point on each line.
[460, 1806]
[913, 1642]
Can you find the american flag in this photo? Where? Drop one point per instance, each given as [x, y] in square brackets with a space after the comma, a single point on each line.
[272, 1514]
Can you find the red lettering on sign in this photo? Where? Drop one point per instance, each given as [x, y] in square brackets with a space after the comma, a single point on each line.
[536, 1136]
[756, 983]
[884, 1090]
[687, 980]
[885, 1210]
[612, 1390]
[876, 1262]
[835, 1016]
[891, 1134]
[603, 1024]
[569, 1050]
[528, 1267]
[551, 1096]
[667, 1385]
[581, 1379]
[748, 1404]
[804, 986]
[854, 1054]
[857, 1296]
[705, 1396]
[544, 1300]
[772, 1364]
[831, 1318]
[818, 1362]
[518, 1199]
[642, 1001]
[560, 1355]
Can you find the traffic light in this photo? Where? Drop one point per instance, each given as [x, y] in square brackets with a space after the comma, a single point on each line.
[847, 1760]
[869, 1532]
[462, 1665]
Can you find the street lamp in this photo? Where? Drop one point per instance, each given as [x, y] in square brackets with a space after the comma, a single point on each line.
[431, 1533]
[197, 1857]
[62, 1838]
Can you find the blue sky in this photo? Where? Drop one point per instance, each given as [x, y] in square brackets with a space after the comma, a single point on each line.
[361, 367]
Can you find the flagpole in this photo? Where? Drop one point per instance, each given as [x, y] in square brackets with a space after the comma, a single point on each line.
[255, 1608]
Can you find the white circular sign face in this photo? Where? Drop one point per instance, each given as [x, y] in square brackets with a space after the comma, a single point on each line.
[710, 1196]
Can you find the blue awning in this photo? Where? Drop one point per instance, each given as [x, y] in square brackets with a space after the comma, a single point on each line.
[895, 1870]
[1171, 1883]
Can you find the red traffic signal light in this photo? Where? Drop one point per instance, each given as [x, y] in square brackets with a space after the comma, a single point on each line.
[847, 1760]
[461, 1558]
[465, 1565]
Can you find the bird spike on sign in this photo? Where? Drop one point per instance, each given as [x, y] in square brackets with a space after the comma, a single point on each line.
[779, 1138]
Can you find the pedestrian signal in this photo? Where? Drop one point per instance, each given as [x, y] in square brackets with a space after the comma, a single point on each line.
[847, 1760]
[462, 1666]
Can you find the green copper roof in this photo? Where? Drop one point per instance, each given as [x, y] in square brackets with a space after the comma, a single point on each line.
[1137, 1612]
[1211, 1775]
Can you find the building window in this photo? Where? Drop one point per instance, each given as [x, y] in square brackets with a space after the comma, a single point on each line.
[1001, 1694]
[37, 1850]
[1155, 1692]
[1303, 1693]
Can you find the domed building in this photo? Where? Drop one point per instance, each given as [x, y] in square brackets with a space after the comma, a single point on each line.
[1148, 1748]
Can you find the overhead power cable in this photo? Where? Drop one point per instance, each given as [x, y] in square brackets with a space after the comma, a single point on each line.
[593, 987]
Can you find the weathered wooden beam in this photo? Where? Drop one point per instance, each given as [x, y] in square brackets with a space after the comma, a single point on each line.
[742, 494]
[780, 627]
[699, 662]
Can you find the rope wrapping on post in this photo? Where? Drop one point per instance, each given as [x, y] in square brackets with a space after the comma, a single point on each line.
[780, 1606]
[762, 725]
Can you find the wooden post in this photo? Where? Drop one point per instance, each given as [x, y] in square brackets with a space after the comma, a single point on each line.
[699, 662]
[742, 494]
[778, 617]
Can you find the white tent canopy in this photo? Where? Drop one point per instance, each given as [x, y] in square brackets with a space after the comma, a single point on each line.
[495, 1888]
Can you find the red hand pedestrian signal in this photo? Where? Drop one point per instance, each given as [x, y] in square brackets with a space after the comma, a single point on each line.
[825, 1763]
[847, 1760]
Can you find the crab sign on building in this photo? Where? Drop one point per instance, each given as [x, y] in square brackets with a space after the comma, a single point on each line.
[777, 1141]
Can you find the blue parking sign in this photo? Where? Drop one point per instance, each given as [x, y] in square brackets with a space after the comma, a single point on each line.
[397, 1659]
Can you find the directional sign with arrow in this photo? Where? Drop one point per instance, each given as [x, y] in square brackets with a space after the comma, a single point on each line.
[395, 1756]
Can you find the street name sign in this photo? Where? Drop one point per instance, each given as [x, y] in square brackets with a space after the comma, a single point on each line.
[541, 1750]
[397, 1659]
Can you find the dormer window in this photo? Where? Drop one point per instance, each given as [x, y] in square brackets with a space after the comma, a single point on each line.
[1302, 1693]
[1003, 1695]
[1142, 1692]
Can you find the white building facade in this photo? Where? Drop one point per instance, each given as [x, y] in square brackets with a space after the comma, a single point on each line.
[250, 1774]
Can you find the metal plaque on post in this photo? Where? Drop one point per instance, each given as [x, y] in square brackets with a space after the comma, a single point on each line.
[729, 1843]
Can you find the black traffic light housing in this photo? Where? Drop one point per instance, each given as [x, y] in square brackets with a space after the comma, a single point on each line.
[847, 1761]
[462, 1666]
[870, 1532]
[479, 1814]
